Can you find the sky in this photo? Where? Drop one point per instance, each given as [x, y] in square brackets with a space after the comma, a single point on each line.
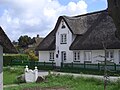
[32, 17]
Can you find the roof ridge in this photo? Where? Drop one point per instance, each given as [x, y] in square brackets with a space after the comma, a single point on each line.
[64, 16]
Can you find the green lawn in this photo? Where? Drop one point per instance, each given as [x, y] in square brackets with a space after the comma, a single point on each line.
[70, 82]
[10, 74]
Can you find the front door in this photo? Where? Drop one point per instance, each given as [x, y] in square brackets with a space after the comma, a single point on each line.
[63, 56]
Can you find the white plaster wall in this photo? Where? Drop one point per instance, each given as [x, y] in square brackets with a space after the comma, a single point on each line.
[1, 68]
[44, 56]
[96, 53]
[116, 56]
[63, 47]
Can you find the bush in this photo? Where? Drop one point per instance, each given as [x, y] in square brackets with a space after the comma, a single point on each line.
[32, 55]
[7, 59]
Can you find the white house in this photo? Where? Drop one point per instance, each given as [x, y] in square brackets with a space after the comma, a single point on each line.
[5, 47]
[80, 39]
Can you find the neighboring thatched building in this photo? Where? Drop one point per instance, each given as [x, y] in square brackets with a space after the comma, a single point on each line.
[5, 47]
[80, 38]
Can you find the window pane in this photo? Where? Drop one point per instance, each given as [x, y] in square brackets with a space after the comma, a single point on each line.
[64, 38]
[107, 54]
[76, 56]
[51, 54]
[87, 56]
[111, 54]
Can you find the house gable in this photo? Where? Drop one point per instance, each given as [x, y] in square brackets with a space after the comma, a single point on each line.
[82, 27]
[63, 36]
[6, 43]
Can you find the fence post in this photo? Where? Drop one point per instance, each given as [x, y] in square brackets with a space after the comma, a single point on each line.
[61, 64]
[84, 65]
[98, 66]
[44, 63]
[52, 66]
[115, 66]
[72, 65]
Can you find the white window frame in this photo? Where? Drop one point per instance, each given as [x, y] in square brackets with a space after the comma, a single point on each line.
[88, 56]
[110, 55]
[51, 56]
[63, 38]
[76, 56]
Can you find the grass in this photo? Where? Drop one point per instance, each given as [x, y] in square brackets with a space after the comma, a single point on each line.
[72, 83]
[10, 74]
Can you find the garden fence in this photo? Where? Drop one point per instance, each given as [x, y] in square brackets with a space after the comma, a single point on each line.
[64, 66]
[32, 64]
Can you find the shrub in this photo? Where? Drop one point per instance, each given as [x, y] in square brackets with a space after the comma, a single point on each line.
[7, 59]
[32, 55]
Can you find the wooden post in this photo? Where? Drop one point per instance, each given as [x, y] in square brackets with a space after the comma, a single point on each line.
[44, 63]
[98, 66]
[72, 65]
[61, 64]
[52, 66]
[105, 68]
[115, 66]
[84, 65]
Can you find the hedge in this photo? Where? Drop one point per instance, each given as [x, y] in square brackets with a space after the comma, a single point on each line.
[7, 59]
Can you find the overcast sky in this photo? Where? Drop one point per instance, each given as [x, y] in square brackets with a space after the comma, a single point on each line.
[32, 17]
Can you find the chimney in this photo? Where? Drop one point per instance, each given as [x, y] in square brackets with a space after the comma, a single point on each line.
[37, 35]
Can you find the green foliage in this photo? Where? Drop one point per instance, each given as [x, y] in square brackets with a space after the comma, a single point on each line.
[24, 41]
[7, 59]
[32, 55]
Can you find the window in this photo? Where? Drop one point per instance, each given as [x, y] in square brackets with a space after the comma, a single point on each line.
[110, 54]
[51, 56]
[76, 56]
[63, 39]
[87, 56]
[63, 56]
[63, 26]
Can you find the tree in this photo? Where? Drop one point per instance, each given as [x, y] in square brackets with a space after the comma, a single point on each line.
[114, 12]
[24, 41]
[105, 65]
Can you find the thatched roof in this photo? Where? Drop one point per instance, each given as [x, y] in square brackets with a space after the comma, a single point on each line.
[6, 43]
[91, 29]
[48, 43]
[102, 31]
[80, 24]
